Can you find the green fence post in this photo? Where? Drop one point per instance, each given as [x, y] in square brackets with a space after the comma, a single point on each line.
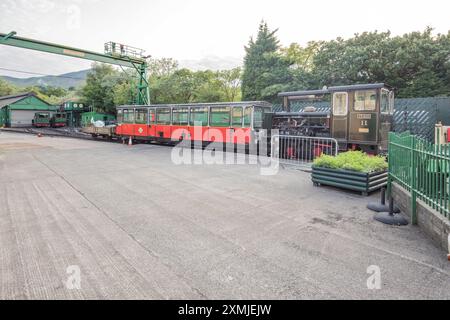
[413, 181]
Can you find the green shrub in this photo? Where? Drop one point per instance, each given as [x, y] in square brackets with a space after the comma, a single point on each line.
[353, 161]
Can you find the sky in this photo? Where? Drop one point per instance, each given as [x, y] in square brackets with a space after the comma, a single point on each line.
[211, 32]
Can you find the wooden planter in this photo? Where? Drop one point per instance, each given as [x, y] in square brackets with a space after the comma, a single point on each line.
[350, 180]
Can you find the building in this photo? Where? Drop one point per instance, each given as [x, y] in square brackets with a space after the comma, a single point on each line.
[74, 109]
[18, 110]
[81, 115]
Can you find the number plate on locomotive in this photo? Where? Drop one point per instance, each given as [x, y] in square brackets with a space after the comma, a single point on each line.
[364, 116]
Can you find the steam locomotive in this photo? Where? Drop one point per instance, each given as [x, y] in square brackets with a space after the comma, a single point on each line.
[360, 116]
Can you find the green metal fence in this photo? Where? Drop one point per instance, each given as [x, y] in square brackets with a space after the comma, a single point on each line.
[423, 169]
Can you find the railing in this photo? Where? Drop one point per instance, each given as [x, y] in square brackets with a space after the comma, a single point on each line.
[120, 50]
[423, 169]
[301, 150]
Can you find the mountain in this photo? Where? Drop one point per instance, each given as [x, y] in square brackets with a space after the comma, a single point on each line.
[67, 80]
[76, 79]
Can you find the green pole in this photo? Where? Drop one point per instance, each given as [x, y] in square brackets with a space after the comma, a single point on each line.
[413, 181]
[143, 94]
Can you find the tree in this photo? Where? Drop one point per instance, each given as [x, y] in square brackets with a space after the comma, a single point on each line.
[104, 87]
[7, 88]
[186, 86]
[162, 67]
[162, 84]
[52, 91]
[208, 87]
[123, 93]
[265, 69]
[230, 84]
[416, 64]
[302, 58]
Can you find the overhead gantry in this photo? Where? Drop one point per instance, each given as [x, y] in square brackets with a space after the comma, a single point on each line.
[115, 54]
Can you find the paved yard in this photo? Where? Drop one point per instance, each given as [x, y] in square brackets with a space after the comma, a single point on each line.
[138, 226]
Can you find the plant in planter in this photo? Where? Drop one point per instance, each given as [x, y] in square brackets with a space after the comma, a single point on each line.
[353, 170]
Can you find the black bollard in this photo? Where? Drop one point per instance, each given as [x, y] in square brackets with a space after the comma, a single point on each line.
[391, 206]
[381, 207]
[391, 218]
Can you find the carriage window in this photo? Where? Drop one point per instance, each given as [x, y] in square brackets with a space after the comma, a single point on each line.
[340, 104]
[385, 101]
[236, 120]
[128, 115]
[365, 100]
[247, 117]
[163, 116]
[258, 118]
[180, 116]
[151, 116]
[141, 116]
[220, 117]
[119, 116]
[199, 115]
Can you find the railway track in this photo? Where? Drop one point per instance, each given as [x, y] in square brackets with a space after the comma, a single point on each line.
[55, 133]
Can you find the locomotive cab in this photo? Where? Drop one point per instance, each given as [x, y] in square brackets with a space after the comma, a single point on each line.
[361, 116]
[58, 119]
[41, 119]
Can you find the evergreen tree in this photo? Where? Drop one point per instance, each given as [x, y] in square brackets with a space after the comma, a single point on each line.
[266, 71]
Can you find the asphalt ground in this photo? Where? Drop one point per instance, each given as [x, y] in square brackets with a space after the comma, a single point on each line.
[88, 220]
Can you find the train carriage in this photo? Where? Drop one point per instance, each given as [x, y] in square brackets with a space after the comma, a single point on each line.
[228, 123]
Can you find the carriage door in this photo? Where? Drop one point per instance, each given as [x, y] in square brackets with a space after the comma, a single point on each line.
[340, 112]
[151, 122]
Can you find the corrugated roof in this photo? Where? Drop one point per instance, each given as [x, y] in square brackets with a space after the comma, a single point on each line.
[7, 100]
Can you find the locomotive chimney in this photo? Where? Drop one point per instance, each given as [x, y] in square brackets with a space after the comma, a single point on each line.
[286, 104]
